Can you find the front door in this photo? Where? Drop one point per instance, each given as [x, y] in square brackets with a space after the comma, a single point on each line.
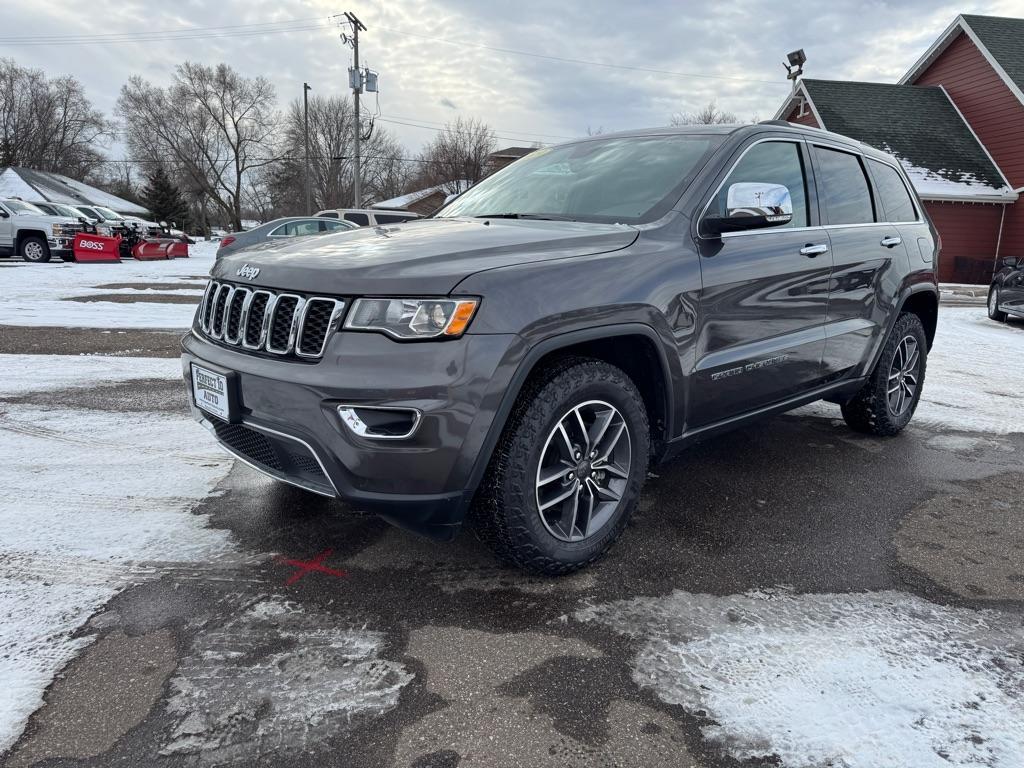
[6, 228]
[764, 297]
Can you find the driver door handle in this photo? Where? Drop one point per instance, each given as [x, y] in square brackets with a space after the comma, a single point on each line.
[810, 250]
[892, 241]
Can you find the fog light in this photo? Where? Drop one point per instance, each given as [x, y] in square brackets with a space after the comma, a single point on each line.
[380, 423]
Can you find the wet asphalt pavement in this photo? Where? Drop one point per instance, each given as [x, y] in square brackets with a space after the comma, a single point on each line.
[485, 665]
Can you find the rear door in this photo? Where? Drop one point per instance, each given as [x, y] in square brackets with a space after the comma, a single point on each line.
[764, 295]
[902, 211]
[869, 258]
[1011, 295]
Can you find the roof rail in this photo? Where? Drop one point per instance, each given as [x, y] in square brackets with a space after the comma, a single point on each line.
[776, 122]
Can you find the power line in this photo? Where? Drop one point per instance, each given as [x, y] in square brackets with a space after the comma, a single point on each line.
[503, 130]
[184, 35]
[440, 130]
[102, 35]
[566, 60]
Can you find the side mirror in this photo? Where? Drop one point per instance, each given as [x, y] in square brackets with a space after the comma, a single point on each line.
[1012, 262]
[752, 205]
[4, 214]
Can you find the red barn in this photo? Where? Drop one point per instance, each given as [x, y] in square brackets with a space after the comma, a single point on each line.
[956, 123]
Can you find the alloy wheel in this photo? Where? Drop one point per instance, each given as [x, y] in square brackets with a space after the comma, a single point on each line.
[33, 251]
[583, 472]
[904, 375]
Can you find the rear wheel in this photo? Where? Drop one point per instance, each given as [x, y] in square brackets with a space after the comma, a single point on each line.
[567, 472]
[888, 399]
[34, 249]
[993, 305]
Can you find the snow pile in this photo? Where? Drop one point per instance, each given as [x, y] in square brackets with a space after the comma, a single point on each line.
[882, 680]
[973, 378]
[277, 675]
[33, 293]
[91, 501]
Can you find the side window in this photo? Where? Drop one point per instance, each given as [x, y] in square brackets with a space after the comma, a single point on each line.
[332, 226]
[892, 193]
[390, 218]
[843, 188]
[771, 162]
[329, 215]
[281, 231]
[305, 227]
[358, 218]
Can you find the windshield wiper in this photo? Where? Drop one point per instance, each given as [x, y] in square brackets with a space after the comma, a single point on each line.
[534, 216]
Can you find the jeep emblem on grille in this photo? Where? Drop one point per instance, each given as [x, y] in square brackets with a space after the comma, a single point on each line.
[249, 273]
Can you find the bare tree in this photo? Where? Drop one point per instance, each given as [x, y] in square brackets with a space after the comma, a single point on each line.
[49, 124]
[212, 123]
[457, 154]
[385, 172]
[709, 115]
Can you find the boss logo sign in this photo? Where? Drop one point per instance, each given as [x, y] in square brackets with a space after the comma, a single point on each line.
[247, 272]
[92, 245]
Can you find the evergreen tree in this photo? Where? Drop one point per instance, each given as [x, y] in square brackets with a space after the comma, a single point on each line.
[164, 200]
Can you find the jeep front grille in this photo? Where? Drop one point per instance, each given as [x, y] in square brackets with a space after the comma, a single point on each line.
[258, 320]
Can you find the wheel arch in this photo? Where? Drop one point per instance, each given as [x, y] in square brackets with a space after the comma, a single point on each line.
[925, 304]
[636, 348]
[24, 234]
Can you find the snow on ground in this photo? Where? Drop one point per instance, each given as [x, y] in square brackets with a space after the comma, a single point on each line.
[33, 294]
[76, 525]
[233, 699]
[974, 375]
[33, 373]
[877, 680]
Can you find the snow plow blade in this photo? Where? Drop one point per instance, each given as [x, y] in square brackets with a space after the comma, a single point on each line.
[162, 248]
[96, 249]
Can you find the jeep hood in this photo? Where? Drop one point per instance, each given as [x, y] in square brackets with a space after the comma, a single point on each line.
[427, 257]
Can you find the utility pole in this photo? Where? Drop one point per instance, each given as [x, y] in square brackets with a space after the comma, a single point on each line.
[356, 81]
[305, 117]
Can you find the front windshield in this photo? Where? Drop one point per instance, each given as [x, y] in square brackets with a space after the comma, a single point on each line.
[629, 179]
[109, 215]
[67, 210]
[20, 206]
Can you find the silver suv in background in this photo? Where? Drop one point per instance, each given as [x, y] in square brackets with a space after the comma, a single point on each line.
[368, 217]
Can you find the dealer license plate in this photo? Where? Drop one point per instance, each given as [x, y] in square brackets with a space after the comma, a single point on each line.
[210, 392]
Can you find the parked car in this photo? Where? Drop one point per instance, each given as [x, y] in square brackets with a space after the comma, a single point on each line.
[287, 227]
[523, 356]
[33, 234]
[59, 209]
[1006, 294]
[369, 217]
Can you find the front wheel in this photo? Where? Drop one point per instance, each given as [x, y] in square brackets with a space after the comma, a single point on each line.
[567, 472]
[888, 399]
[993, 305]
[35, 249]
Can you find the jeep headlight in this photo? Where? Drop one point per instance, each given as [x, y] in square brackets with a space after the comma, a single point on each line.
[412, 318]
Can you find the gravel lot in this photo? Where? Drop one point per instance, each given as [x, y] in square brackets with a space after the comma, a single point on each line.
[790, 594]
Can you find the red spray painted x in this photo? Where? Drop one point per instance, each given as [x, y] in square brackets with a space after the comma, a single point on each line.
[308, 566]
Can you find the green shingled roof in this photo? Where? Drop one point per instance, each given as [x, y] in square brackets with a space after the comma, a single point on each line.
[917, 124]
[1004, 39]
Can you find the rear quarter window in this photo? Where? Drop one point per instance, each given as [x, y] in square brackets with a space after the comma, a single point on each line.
[897, 204]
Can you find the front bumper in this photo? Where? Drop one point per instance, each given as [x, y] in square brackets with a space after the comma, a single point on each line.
[288, 426]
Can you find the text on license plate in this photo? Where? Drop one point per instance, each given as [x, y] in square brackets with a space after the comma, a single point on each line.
[210, 391]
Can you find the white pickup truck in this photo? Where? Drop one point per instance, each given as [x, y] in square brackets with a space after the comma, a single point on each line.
[35, 236]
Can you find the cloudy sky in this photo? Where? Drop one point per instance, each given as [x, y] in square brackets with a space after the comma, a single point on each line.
[444, 58]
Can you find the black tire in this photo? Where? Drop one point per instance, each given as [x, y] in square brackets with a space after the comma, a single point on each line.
[506, 515]
[34, 249]
[993, 303]
[872, 410]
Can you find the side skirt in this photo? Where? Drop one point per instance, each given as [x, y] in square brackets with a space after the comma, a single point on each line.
[835, 392]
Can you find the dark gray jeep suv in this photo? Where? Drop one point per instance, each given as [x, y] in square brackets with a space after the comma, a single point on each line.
[521, 357]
